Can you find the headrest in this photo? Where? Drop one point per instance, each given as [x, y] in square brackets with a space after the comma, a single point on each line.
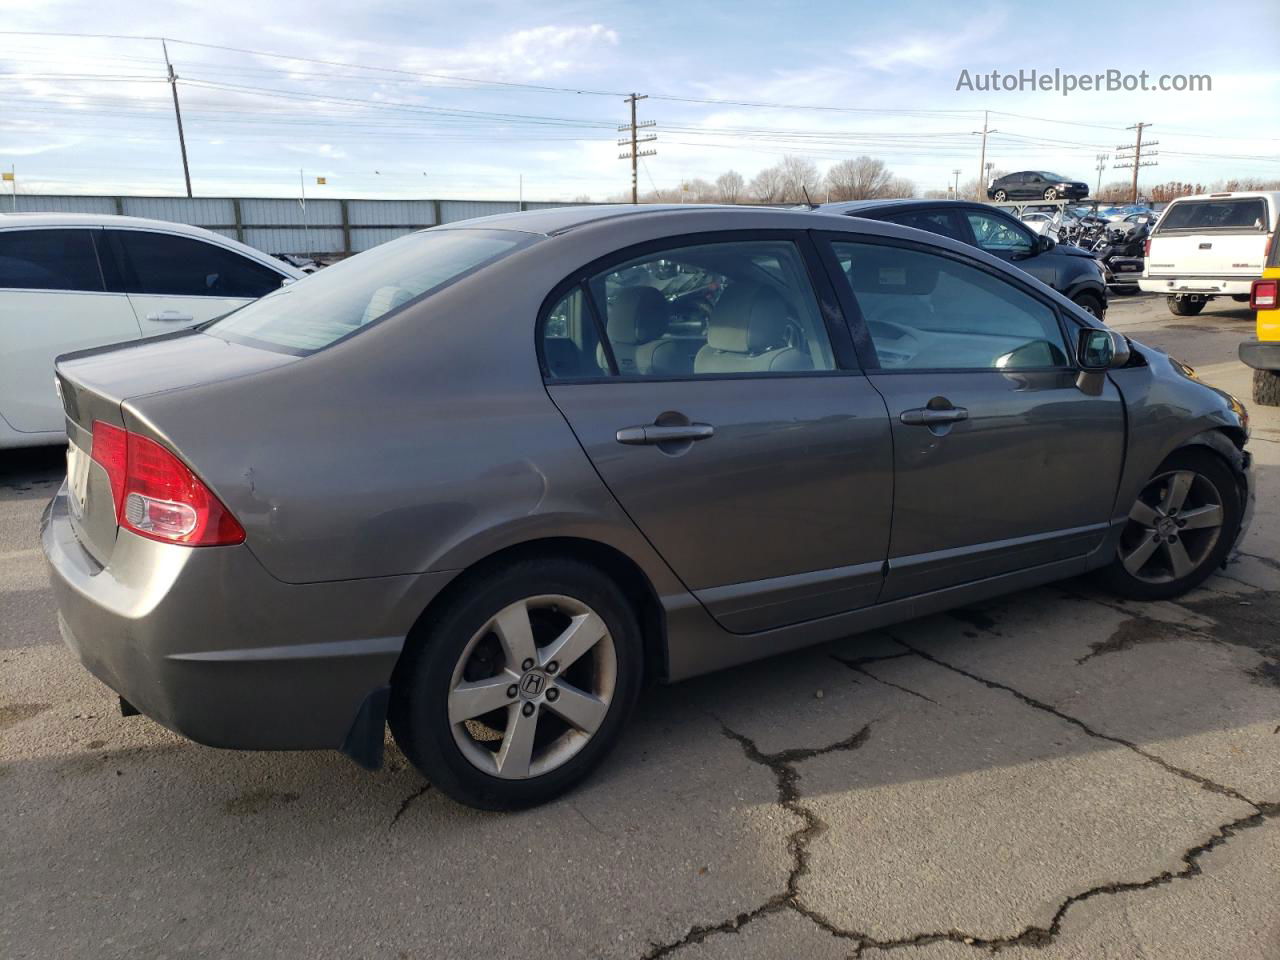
[637, 315]
[891, 270]
[748, 318]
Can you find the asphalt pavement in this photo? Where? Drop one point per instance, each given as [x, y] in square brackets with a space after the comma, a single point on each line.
[1055, 774]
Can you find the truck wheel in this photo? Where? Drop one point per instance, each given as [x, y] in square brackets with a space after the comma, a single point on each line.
[1185, 306]
[1240, 297]
[1266, 388]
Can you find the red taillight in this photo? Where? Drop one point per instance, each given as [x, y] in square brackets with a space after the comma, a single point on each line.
[1264, 294]
[1146, 248]
[156, 495]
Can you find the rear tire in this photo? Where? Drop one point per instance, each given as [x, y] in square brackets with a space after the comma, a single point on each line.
[452, 709]
[1000, 196]
[1167, 549]
[1266, 388]
[1183, 307]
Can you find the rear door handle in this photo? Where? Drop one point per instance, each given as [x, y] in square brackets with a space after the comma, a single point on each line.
[925, 416]
[170, 316]
[653, 433]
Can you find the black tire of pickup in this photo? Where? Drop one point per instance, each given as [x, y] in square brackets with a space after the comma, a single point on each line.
[1266, 388]
[1182, 307]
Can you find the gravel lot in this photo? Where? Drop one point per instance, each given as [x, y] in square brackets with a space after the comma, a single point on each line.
[1054, 774]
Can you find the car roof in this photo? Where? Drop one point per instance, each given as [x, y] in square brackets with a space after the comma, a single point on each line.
[558, 220]
[857, 208]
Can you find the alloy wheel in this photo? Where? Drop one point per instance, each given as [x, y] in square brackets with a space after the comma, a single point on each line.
[532, 687]
[1172, 528]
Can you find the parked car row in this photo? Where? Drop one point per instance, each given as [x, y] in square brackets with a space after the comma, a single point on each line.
[483, 480]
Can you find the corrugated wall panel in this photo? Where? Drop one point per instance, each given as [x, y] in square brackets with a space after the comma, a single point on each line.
[451, 211]
[289, 212]
[294, 239]
[41, 204]
[417, 213]
[198, 211]
[364, 238]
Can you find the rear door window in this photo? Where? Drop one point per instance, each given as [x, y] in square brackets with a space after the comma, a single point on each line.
[340, 300]
[1235, 214]
[170, 265]
[49, 260]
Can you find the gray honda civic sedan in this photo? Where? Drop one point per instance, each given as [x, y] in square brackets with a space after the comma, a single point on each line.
[484, 481]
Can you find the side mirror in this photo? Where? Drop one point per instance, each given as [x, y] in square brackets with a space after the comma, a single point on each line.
[1099, 349]
[1045, 243]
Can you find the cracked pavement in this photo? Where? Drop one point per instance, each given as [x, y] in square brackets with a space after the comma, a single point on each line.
[1055, 774]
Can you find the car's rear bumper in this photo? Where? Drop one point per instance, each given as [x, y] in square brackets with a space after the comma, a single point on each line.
[1261, 355]
[1208, 286]
[208, 643]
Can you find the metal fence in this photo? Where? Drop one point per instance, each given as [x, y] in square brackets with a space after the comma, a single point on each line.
[322, 228]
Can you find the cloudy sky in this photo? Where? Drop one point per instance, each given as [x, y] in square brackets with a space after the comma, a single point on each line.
[462, 100]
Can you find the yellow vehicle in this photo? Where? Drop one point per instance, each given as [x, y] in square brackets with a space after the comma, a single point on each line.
[1263, 354]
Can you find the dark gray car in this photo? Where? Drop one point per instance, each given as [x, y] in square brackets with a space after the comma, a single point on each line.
[1073, 272]
[1036, 185]
[486, 479]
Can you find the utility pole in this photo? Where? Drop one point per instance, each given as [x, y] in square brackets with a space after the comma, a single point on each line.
[633, 141]
[956, 173]
[177, 112]
[1102, 159]
[1131, 155]
[982, 163]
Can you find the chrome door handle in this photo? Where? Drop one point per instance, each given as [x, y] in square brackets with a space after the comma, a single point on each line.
[170, 316]
[654, 433]
[926, 417]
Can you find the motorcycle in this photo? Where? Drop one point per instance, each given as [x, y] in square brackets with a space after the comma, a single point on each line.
[1120, 248]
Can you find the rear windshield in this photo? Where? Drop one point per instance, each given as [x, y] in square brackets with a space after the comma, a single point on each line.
[311, 314]
[1246, 213]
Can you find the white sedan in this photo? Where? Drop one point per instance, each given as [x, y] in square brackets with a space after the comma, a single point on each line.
[73, 281]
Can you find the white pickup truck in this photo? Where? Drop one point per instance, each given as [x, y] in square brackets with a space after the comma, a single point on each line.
[1209, 245]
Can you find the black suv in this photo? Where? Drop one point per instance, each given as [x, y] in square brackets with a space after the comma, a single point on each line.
[1036, 185]
[1071, 271]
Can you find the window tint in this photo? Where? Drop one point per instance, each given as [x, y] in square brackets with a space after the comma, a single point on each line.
[48, 260]
[942, 222]
[999, 236]
[571, 348]
[713, 309]
[312, 313]
[181, 266]
[928, 312]
[1244, 214]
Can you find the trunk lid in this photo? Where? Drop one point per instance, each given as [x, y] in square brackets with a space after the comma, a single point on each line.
[95, 384]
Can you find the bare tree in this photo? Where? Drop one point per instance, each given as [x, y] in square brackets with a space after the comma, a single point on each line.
[730, 187]
[769, 185]
[900, 187]
[800, 178]
[862, 178]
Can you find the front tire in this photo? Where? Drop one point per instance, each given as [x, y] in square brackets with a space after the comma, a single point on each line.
[520, 685]
[1179, 531]
[1266, 388]
[1091, 304]
[1185, 306]
[1051, 194]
